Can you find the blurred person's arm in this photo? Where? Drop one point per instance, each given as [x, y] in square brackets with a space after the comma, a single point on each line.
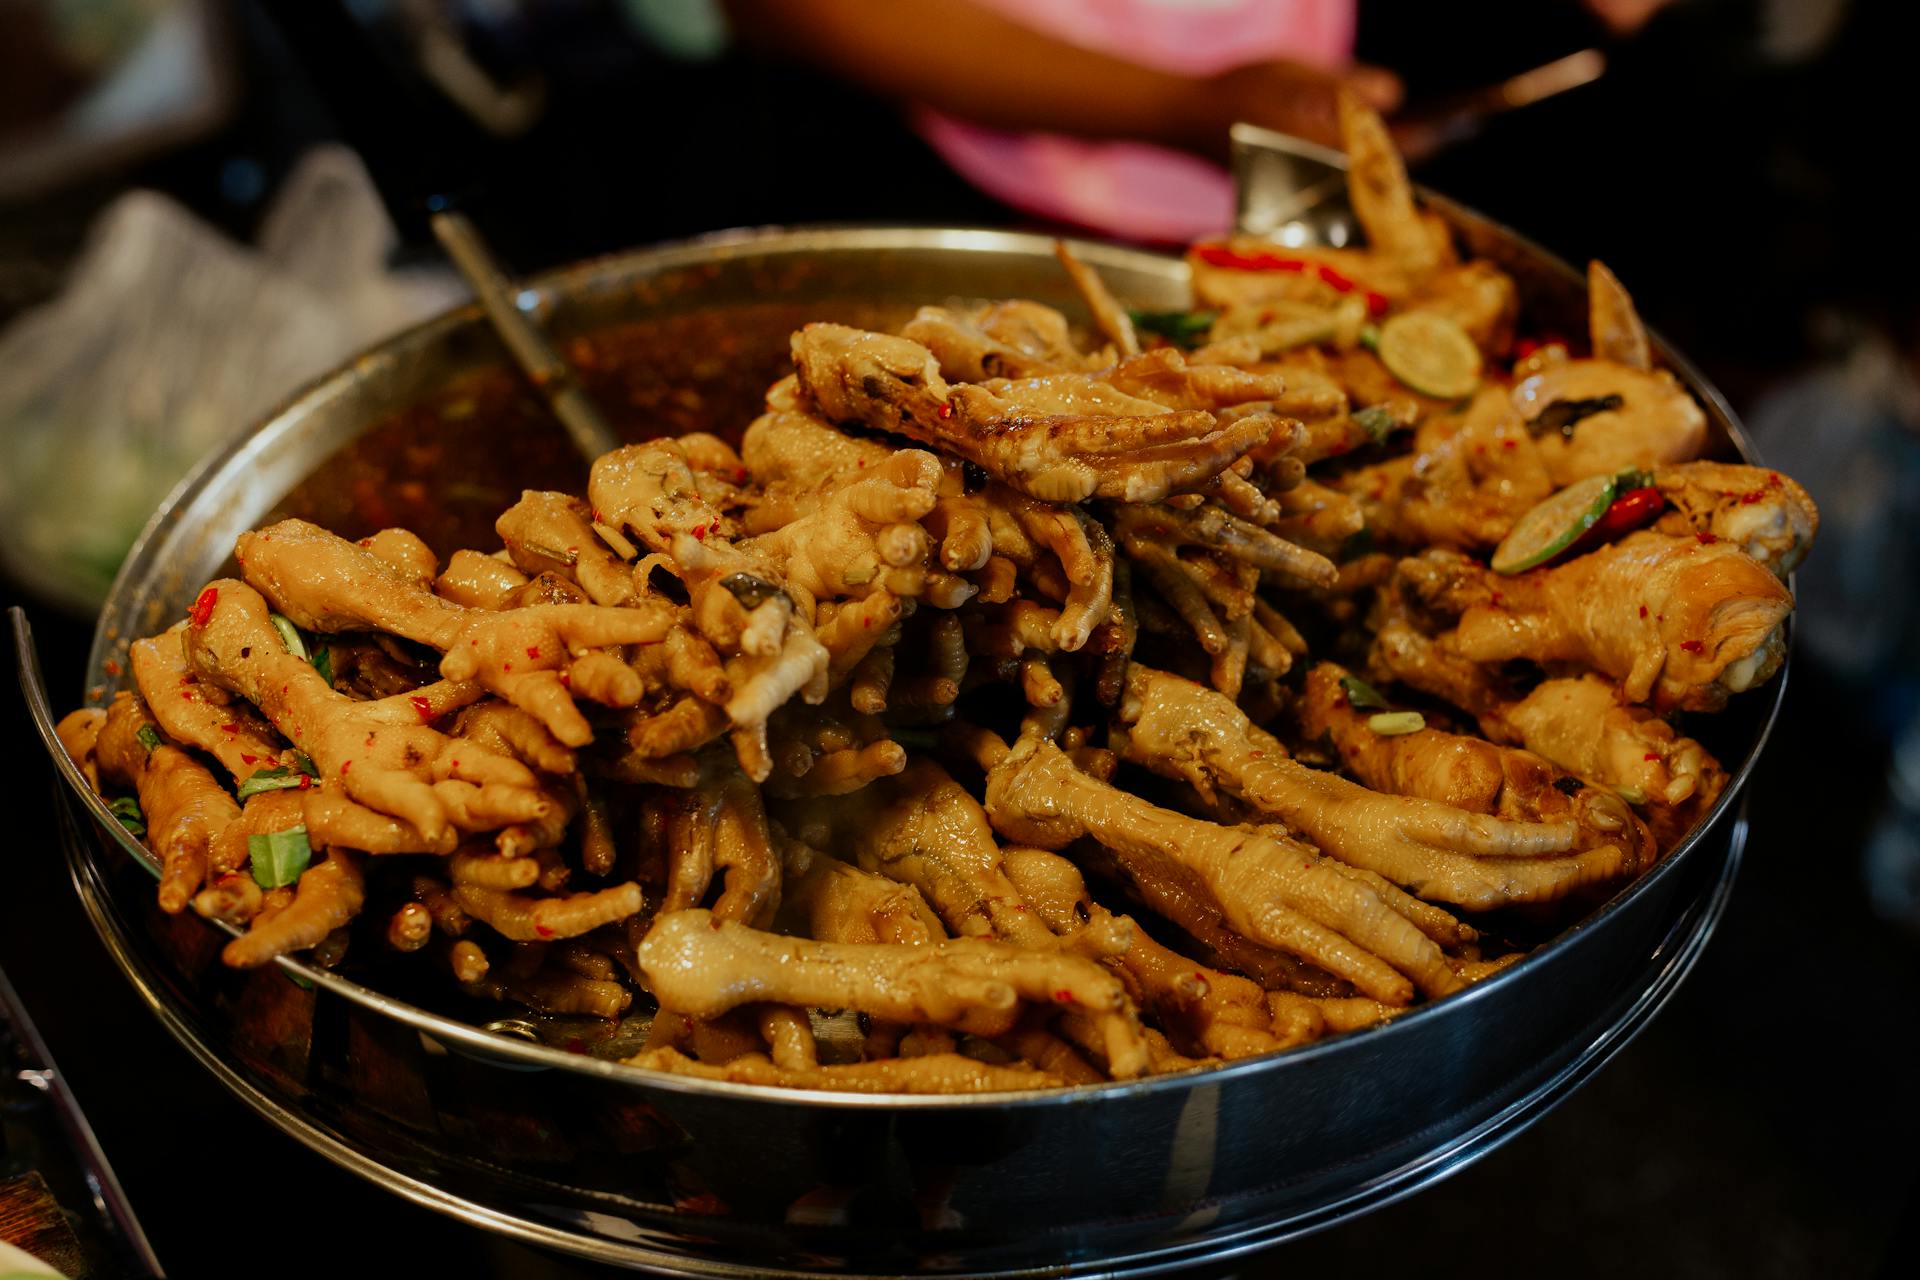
[965, 60]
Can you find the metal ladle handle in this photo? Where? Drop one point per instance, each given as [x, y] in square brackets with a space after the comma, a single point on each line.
[551, 376]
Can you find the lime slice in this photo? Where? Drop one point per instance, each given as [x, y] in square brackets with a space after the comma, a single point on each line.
[1552, 526]
[1430, 353]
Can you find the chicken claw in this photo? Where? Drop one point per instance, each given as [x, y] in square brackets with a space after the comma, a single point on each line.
[1268, 890]
[702, 967]
[1435, 851]
[532, 656]
[1060, 439]
[405, 768]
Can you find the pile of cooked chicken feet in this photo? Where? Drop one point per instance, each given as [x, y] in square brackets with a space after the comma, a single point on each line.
[970, 693]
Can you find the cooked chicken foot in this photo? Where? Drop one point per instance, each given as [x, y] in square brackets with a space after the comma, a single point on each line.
[1481, 777]
[186, 808]
[1438, 852]
[1267, 890]
[702, 967]
[538, 657]
[405, 768]
[1063, 438]
[1216, 1014]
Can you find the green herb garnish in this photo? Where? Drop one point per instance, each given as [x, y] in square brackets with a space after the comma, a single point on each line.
[148, 737]
[290, 636]
[323, 663]
[279, 857]
[1376, 422]
[1363, 695]
[282, 778]
[1181, 328]
[127, 809]
[304, 763]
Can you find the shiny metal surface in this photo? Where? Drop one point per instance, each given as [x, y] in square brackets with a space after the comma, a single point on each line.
[530, 349]
[705, 1178]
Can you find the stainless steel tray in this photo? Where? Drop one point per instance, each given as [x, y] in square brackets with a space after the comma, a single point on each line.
[701, 1178]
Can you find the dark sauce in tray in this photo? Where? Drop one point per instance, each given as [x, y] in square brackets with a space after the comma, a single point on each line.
[448, 467]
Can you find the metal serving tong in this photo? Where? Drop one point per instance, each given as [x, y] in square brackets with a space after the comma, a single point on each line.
[1293, 191]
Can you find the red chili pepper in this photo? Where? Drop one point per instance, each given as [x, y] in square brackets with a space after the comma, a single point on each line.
[533, 651]
[1706, 539]
[231, 726]
[1063, 996]
[111, 667]
[1219, 255]
[1651, 755]
[543, 930]
[1643, 611]
[1693, 646]
[203, 606]
[1629, 511]
[344, 766]
[247, 759]
[422, 707]
[945, 410]
[306, 780]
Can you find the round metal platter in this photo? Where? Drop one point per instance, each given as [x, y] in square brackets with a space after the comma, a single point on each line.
[551, 1140]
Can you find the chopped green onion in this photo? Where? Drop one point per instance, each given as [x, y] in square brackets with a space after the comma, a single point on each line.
[1633, 478]
[1363, 695]
[323, 663]
[148, 736]
[1370, 337]
[297, 980]
[127, 809]
[1632, 795]
[279, 857]
[1376, 422]
[1392, 723]
[1182, 328]
[279, 779]
[304, 763]
[290, 636]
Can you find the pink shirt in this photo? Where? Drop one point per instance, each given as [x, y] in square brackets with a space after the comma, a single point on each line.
[1133, 189]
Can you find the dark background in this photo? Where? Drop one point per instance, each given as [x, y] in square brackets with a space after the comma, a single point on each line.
[1764, 1126]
